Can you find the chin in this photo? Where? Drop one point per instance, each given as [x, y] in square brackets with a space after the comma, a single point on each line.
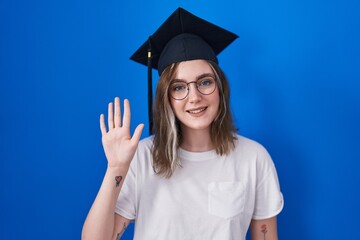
[197, 127]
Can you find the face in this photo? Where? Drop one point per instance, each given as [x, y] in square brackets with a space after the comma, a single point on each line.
[196, 111]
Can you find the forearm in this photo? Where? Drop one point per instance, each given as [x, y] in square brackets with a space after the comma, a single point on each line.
[99, 223]
[265, 229]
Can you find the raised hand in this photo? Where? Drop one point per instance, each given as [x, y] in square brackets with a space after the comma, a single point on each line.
[119, 145]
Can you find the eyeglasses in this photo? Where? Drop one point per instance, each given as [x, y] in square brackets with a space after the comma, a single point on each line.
[179, 89]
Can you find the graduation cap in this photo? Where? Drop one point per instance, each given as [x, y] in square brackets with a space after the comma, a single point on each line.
[182, 37]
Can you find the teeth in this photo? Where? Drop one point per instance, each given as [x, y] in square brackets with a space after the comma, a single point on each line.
[197, 111]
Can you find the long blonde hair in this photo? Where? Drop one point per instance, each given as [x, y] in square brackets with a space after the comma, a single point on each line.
[167, 131]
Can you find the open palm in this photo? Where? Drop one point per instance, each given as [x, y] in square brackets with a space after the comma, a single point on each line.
[119, 145]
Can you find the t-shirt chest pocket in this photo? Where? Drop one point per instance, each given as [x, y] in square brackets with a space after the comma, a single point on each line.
[226, 199]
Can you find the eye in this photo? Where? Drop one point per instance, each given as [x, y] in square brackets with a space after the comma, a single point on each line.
[176, 87]
[206, 82]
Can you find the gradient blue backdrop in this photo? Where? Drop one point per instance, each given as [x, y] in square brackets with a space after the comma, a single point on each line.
[294, 75]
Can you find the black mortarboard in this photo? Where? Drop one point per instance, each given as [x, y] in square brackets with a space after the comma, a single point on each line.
[182, 37]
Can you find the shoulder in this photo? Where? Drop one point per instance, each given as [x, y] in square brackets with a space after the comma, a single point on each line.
[146, 144]
[249, 146]
[252, 152]
[255, 154]
[144, 150]
[142, 160]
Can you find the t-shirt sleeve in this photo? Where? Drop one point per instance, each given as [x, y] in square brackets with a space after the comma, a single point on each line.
[126, 202]
[268, 199]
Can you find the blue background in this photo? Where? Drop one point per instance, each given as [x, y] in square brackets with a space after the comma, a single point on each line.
[294, 74]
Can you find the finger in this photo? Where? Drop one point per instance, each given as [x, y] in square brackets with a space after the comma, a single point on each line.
[117, 117]
[102, 124]
[111, 115]
[137, 133]
[127, 114]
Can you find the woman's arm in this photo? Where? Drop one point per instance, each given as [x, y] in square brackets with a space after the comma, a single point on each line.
[102, 222]
[265, 229]
[121, 224]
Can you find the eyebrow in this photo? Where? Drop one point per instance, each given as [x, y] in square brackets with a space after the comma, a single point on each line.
[197, 78]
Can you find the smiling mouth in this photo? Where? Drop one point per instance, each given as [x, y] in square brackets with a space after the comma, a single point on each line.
[195, 111]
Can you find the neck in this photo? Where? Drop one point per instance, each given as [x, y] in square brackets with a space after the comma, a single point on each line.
[196, 140]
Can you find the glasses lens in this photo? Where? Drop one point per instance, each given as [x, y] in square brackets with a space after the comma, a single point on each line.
[178, 90]
[206, 86]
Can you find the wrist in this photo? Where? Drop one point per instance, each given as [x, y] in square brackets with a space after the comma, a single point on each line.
[117, 170]
[116, 175]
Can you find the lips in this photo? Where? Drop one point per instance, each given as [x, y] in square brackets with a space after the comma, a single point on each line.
[197, 110]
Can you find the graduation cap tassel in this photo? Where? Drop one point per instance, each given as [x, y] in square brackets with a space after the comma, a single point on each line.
[150, 97]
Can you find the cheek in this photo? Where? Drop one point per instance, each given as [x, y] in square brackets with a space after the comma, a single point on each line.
[217, 104]
[174, 105]
[216, 98]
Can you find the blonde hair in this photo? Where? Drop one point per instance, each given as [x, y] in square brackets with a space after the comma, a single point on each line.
[167, 131]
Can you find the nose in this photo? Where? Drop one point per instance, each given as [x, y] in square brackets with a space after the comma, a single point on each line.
[194, 95]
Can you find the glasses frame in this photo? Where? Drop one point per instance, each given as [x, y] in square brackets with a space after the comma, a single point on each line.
[196, 86]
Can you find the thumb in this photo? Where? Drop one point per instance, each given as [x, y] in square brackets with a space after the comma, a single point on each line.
[137, 133]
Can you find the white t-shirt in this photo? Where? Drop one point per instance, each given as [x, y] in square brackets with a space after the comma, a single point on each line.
[210, 197]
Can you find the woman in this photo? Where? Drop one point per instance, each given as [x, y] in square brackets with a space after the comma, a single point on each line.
[195, 178]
